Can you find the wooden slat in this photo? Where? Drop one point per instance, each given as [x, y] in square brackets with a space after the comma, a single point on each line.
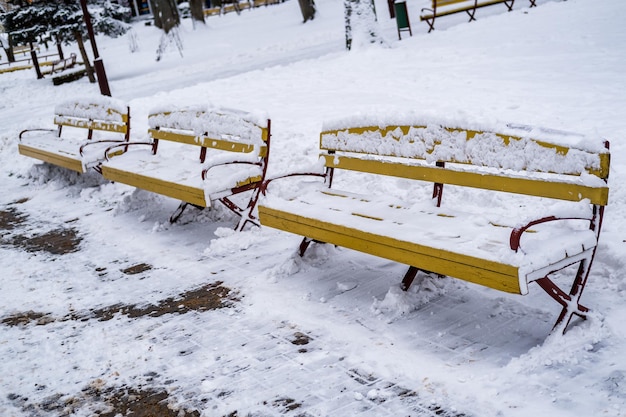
[212, 11]
[498, 276]
[190, 139]
[90, 124]
[69, 162]
[171, 189]
[442, 3]
[526, 186]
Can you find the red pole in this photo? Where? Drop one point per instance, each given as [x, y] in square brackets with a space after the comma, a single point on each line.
[97, 61]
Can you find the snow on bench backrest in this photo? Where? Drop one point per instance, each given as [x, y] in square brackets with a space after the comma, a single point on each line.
[509, 147]
[99, 113]
[225, 129]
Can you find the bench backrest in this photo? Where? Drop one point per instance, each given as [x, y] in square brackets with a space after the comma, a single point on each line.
[222, 129]
[102, 113]
[559, 165]
[443, 3]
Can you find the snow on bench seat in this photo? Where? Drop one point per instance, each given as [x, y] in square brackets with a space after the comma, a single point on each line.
[451, 242]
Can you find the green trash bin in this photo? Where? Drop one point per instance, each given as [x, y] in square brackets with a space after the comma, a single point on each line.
[402, 18]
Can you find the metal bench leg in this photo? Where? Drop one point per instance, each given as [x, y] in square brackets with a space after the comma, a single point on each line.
[246, 214]
[304, 245]
[178, 212]
[410, 275]
[431, 24]
[570, 302]
[181, 208]
[408, 278]
[471, 14]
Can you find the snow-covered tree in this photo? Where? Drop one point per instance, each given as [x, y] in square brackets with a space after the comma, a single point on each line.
[167, 18]
[361, 23]
[62, 21]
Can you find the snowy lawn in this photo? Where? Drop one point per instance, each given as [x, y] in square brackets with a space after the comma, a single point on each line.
[101, 296]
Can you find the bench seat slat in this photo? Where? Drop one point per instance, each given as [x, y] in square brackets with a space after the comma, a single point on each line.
[358, 240]
[193, 195]
[57, 157]
[177, 174]
[438, 240]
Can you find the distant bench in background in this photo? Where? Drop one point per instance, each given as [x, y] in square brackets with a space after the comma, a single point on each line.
[228, 6]
[197, 155]
[440, 8]
[553, 190]
[107, 116]
[63, 64]
[26, 63]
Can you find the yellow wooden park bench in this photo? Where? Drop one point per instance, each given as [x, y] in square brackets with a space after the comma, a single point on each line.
[552, 185]
[440, 8]
[80, 124]
[259, 3]
[235, 6]
[197, 155]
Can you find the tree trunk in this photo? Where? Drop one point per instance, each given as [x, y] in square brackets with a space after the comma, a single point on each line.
[33, 55]
[165, 14]
[83, 54]
[197, 11]
[361, 23]
[59, 48]
[9, 51]
[307, 7]
[157, 16]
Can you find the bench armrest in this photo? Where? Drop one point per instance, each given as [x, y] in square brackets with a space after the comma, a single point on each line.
[516, 234]
[204, 171]
[267, 182]
[95, 142]
[35, 130]
[108, 150]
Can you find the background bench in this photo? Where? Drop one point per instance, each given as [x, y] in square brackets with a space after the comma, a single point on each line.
[199, 156]
[440, 8]
[63, 64]
[107, 117]
[558, 179]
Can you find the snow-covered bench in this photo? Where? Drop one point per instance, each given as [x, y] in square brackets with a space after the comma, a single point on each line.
[198, 155]
[526, 203]
[108, 118]
[440, 8]
[63, 64]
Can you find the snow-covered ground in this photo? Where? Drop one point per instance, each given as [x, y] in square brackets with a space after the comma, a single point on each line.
[329, 334]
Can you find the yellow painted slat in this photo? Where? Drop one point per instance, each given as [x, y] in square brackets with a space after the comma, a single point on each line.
[178, 191]
[90, 124]
[190, 139]
[75, 164]
[441, 3]
[498, 276]
[526, 186]
[212, 11]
